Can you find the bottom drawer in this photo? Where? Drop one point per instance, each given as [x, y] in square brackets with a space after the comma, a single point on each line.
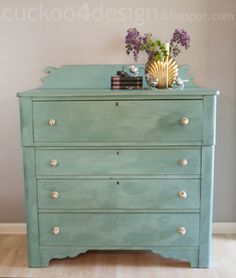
[118, 229]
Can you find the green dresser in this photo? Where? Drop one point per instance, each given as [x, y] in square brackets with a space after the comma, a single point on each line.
[117, 170]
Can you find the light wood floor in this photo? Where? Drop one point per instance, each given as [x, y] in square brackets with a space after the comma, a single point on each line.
[13, 263]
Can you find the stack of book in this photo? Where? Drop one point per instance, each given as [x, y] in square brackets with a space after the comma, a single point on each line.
[126, 82]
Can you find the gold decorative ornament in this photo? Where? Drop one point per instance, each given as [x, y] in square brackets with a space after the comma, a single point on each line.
[164, 70]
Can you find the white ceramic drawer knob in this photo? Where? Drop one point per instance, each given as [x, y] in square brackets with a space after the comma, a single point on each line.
[181, 231]
[182, 194]
[54, 195]
[53, 162]
[55, 230]
[183, 162]
[184, 121]
[51, 122]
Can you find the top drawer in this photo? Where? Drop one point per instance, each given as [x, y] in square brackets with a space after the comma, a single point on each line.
[118, 121]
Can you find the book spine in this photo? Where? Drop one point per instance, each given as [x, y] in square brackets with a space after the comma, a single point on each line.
[127, 79]
[120, 82]
[122, 87]
[127, 83]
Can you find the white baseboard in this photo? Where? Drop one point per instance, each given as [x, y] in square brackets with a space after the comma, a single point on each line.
[20, 228]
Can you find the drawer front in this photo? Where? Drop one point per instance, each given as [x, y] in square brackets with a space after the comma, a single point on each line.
[117, 162]
[118, 229]
[119, 194]
[131, 121]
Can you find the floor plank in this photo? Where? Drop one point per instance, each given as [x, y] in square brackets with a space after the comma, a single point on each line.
[117, 264]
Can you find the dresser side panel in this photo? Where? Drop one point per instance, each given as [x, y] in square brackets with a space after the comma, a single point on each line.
[206, 206]
[26, 120]
[31, 206]
[209, 120]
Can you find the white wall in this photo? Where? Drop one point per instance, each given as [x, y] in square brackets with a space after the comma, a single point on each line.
[28, 45]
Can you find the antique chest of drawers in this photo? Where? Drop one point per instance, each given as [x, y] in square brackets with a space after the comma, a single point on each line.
[106, 170]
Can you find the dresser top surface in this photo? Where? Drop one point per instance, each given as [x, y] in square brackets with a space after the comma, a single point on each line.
[188, 92]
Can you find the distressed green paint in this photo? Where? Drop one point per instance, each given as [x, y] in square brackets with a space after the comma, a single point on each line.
[113, 144]
[117, 121]
[128, 229]
[206, 206]
[26, 121]
[117, 162]
[99, 76]
[108, 94]
[187, 253]
[209, 128]
[97, 143]
[119, 194]
[31, 207]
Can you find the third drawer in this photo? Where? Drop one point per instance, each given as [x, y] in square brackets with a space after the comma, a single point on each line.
[150, 194]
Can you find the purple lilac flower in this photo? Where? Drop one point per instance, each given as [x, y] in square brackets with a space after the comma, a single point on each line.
[155, 48]
[176, 50]
[180, 38]
[134, 42]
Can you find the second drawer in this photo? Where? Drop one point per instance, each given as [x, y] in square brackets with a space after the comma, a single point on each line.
[119, 194]
[118, 162]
